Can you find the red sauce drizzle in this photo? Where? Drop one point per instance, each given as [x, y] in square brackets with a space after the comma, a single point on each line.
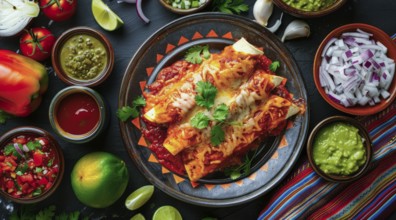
[78, 113]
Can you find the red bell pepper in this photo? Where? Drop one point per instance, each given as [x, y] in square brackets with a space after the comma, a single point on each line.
[22, 82]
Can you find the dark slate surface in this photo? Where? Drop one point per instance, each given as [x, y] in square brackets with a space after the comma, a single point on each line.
[125, 42]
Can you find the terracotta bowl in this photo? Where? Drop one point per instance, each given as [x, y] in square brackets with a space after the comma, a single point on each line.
[56, 54]
[378, 35]
[95, 131]
[308, 14]
[367, 144]
[28, 130]
[184, 11]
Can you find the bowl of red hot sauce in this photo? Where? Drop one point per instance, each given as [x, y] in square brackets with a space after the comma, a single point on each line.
[31, 165]
[78, 114]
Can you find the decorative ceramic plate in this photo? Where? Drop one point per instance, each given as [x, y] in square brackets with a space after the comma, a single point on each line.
[168, 45]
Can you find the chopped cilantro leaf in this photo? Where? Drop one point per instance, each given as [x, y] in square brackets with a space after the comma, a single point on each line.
[50, 162]
[19, 173]
[38, 170]
[47, 213]
[37, 192]
[274, 66]
[206, 94]
[9, 149]
[193, 54]
[32, 145]
[126, 112]
[221, 113]
[3, 117]
[230, 6]
[200, 121]
[216, 135]
[139, 102]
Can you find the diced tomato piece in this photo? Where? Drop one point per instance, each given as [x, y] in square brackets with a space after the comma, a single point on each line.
[37, 158]
[25, 187]
[5, 166]
[11, 160]
[43, 181]
[31, 164]
[50, 175]
[49, 184]
[20, 140]
[26, 178]
[10, 184]
[2, 158]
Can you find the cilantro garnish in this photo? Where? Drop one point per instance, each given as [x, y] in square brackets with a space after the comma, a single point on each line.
[9, 149]
[50, 162]
[3, 117]
[27, 213]
[274, 66]
[194, 56]
[206, 94]
[200, 120]
[125, 112]
[242, 169]
[216, 135]
[230, 6]
[32, 145]
[221, 113]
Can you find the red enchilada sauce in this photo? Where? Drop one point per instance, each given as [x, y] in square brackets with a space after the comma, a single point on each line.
[78, 113]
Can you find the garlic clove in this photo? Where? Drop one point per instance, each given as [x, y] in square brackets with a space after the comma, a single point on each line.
[262, 11]
[296, 29]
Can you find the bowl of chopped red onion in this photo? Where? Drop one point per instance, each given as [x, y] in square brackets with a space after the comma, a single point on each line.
[354, 69]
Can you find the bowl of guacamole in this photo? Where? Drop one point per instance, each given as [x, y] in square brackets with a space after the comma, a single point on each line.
[339, 149]
[309, 8]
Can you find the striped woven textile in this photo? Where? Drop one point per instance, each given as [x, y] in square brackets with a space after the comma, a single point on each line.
[305, 195]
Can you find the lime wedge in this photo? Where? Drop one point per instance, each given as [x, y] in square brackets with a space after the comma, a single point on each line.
[105, 17]
[139, 197]
[167, 213]
[138, 217]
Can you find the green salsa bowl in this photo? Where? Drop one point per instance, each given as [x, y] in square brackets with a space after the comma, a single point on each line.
[83, 56]
[339, 149]
[309, 9]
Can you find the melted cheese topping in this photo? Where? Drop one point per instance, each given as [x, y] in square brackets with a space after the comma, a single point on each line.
[241, 85]
[267, 116]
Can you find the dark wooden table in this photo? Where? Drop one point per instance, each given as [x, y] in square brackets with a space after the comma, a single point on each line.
[125, 42]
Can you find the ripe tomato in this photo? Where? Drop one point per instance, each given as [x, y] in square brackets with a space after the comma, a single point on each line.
[37, 43]
[58, 10]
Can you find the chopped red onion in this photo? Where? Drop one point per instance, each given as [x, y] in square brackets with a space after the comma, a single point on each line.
[355, 69]
[16, 146]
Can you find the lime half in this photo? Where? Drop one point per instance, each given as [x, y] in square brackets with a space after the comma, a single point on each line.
[167, 213]
[105, 17]
[138, 217]
[139, 197]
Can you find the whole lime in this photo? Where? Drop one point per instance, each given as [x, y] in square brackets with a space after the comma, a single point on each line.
[98, 179]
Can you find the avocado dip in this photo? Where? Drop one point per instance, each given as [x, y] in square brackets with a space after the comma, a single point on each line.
[83, 57]
[310, 5]
[338, 149]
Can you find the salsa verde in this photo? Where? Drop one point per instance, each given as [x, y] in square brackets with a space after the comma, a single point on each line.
[310, 5]
[83, 57]
[338, 149]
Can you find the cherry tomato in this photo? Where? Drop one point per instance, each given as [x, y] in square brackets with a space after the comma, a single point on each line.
[58, 10]
[37, 43]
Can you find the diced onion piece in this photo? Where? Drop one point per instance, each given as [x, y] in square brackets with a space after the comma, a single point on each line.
[356, 70]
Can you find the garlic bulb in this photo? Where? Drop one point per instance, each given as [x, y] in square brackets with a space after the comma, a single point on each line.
[296, 29]
[262, 11]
